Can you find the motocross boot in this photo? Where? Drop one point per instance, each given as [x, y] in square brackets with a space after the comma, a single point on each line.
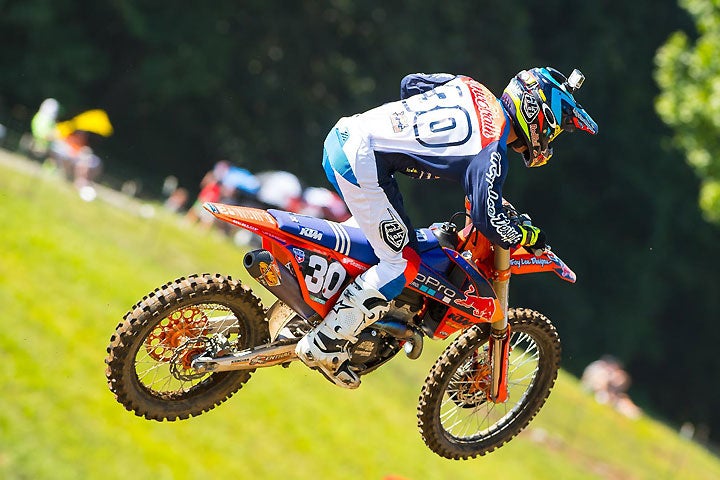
[326, 347]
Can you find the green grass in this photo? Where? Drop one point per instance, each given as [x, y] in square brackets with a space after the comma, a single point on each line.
[69, 270]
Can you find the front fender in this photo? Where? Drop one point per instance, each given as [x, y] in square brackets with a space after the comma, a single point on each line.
[522, 263]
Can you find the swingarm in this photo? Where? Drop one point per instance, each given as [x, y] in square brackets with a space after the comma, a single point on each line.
[250, 359]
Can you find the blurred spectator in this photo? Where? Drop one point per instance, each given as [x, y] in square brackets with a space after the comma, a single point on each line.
[175, 196]
[65, 151]
[609, 382]
[170, 184]
[278, 189]
[210, 191]
[43, 127]
[323, 203]
[227, 183]
[131, 187]
[87, 167]
[70, 149]
[176, 200]
[239, 186]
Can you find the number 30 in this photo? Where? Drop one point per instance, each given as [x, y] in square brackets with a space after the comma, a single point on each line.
[325, 279]
[440, 119]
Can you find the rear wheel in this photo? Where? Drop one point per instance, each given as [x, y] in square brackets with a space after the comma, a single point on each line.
[149, 357]
[455, 416]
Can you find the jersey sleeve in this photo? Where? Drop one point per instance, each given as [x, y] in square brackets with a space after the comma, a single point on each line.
[484, 180]
[422, 82]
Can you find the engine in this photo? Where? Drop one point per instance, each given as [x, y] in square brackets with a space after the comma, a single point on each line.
[370, 343]
[382, 340]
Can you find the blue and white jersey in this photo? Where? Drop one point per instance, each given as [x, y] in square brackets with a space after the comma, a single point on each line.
[448, 127]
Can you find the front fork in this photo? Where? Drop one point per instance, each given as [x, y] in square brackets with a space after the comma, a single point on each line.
[499, 342]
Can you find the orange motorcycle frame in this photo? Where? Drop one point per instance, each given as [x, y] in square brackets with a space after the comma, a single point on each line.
[486, 270]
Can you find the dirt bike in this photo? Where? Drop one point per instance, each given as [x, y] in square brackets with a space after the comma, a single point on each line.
[191, 344]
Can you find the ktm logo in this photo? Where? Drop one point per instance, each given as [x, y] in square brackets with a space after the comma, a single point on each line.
[311, 233]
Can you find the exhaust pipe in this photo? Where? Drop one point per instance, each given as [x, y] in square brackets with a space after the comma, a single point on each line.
[401, 330]
[274, 276]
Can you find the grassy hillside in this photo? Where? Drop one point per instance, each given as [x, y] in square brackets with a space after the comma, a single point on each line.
[69, 270]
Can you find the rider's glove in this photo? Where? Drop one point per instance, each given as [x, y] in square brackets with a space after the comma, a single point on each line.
[532, 237]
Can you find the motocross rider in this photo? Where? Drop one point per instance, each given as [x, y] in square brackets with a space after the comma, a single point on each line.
[444, 126]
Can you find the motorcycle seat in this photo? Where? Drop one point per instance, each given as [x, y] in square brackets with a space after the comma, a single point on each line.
[342, 238]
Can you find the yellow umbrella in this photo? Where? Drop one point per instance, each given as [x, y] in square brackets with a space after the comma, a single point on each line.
[95, 121]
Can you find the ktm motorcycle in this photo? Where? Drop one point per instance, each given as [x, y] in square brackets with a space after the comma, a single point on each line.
[190, 344]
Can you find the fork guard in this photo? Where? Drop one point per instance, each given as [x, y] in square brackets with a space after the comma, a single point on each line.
[499, 353]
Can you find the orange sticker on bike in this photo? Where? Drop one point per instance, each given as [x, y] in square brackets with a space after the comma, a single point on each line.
[270, 274]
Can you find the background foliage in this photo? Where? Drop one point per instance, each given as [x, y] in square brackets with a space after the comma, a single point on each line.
[689, 75]
[261, 82]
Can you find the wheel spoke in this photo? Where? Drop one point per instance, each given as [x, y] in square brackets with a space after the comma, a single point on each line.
[175, 340]
[456, 417]
[466, 413]
[164, 332]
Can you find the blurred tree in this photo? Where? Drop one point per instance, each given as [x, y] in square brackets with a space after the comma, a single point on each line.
[689, 75]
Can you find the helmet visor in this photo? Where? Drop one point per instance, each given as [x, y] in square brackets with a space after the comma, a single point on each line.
[576, 118]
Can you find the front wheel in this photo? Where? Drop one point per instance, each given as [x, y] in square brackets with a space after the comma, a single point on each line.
[149, 362]
[457, 420]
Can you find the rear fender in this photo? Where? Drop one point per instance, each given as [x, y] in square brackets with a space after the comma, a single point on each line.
[254, 220]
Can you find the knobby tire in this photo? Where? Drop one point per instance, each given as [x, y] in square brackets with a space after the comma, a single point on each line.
[145, 319]
[442, 401]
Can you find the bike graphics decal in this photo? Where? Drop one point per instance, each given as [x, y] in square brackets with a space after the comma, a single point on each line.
[324, 277]
[433, 287]
[342, 239]
[548, 261]
[393, 232]
[519, 262]
[311, 233]
[270, 274]
[481, 307]
[457, 322]
[263, 359]
[299, 254]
